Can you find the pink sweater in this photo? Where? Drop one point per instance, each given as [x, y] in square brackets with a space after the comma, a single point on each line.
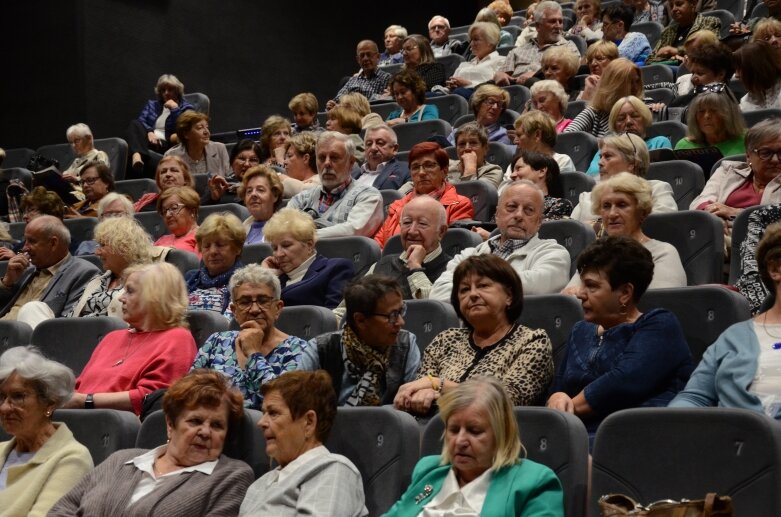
[138, 362]
[186, 242]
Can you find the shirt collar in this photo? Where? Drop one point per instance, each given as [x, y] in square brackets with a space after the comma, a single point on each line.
[299, 462]
[145, 463]
[300, 271]
[56, 267]
[428, 258]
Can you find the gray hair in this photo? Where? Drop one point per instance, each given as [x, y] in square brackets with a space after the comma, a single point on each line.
[254, 274]
[172, 80]
[398, 31]
[378, 127]
[553, 87]
[439, 17]
[80, 130]
[762, 132]
[53, 381]
[547, 5]
[50, 225]
[326, 137]
[523, 183]
[490, 32]
[472, 128]
[109, 198]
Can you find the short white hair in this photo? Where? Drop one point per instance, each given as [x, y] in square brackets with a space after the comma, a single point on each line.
[111, 197]
[438, 17]
[398, 31]
[254, 274]
[381, 127]
[546, 5]
[53, 381]
[81, 130]
[326, 137]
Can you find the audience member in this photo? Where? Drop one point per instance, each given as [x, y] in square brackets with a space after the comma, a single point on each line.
[542, 264]
[684, 22]
[181, 477]
[42, 461]
[588, 24]
[409, 91]
[201, 155]
[486, 61]
[41, 202]
[617, 21]
[560, 64]
[536, 131]
[110, 205]
[598, 56]
[340, 206]
[80, 138]
[300, 164]
[299, 409]
[258, 352]
[304, 108]
[261, 190]
[171, 172]
[419, 58]
[345, 120]
[648, 11]
[758, 64]
[488, 103]
[708, 62]
[714, 120]
[178, 206]
[370, 81]
[273, 135]
[244, 155]
[307, 278]
[393, 38]
[488, 296]
[542, 170]
[472, 147]
[750, 283]
[381, 169]
[371, 357]
[96, 181]
[550, 98]
[768, 30]
[488, 15]
[439, 32]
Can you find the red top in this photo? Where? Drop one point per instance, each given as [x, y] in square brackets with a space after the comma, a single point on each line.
[186, 242]
[744, 196]
[138, 362]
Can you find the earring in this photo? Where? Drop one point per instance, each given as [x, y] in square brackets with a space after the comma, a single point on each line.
[622, 309]
[49, 413]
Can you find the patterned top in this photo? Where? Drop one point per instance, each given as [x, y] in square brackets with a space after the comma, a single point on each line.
[556, 208]
[750, 282]
[634, 47]
[219, 353]
[208, 299]
[368, 87]
[670, 37]
[97, 304]
[433, 74]
[590, 121]
[522, 361]
[528, 57]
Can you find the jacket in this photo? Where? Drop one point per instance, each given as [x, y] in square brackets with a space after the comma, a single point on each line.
[667, 38]
[727, 178]
[322, 284]
[394, 174]
[217, 162]
[154, 108]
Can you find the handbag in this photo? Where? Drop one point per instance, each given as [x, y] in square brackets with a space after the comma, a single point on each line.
[619, 505]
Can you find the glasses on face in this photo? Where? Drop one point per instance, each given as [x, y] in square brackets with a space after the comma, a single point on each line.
[89, 181]
[393, 317]
[766, 154]
[248, 159]
[437, 28]
[425, 166]
[15, 399]
[245, 304]
[173, 209]
[492, 103]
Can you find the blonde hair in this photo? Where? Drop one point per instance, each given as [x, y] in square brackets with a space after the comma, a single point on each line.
[188, 178]
[223, 224]
[766, 28]
[490, 32]
[607, 48]
[632, 149]
[187, 195]
[290, 221]
[626, 183]
[637, 104]
[304, 101]
[163, 295]
[126, 238]
[348, 118]
[563, 55]
[489, 394]
[357, 102]
[270, 126]
[616, 82]
[488, 90]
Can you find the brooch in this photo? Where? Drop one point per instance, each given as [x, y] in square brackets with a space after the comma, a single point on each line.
[426, 492]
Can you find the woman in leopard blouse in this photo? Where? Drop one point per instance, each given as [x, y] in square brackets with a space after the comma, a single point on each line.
[488, 296]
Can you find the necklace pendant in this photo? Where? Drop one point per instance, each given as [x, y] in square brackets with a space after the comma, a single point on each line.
[118, 363]
[776, 346]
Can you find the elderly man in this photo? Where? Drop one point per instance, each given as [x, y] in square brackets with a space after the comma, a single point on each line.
[542, 264]
[393, 38]
[381, 169]
[439, 32]
[372, 356]
[53, 286]
[525, 60]
[340, 206]
[369, 81]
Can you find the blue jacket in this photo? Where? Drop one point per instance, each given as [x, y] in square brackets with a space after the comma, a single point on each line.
[528, 489]
[393, 175]
[154, 108]
[322, 284]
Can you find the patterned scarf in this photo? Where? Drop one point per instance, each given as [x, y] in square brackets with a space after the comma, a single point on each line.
[509, 247]
[329, 198]
[436, 194]
[366, 366]
[204, 281]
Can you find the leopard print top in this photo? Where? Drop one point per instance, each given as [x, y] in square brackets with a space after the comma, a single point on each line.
[522, 361]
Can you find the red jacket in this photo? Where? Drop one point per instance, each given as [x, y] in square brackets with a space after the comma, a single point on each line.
[457, 207]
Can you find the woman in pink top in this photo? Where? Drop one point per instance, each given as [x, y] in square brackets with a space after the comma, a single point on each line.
[171, 172]
[155, 351]
[179, 208]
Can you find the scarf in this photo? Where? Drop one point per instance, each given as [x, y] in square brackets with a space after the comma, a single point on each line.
[327, 199]
[365, 366]
[509, 247]
[204, 281]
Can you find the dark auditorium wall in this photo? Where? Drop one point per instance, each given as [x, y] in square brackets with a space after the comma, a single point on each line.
[96, 61]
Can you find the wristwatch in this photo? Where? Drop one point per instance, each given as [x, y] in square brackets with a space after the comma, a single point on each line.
[89, 402]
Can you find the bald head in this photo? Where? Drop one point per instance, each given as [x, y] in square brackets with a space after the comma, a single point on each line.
[46, 240]
[519, 214]
[368, 56]
[423, 222]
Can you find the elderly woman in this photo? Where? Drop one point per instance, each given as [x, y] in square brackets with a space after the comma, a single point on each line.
[428, 166]
[409, 91]
[258, 352]
[220, 240]
[298, 412]
[598, 56]
[201, 155]
[392, 38]
[96, 181]
[483, 39]
[153, 128]
[542, 170]
[560, 64]
[121, 243]
[304, 108]
[617, 20]
[41, 202]
[479, 471]
[621, 78]
[708, 61]
[738, 185]
[178, 206]
[43, 460]
[171, 171]
[471, 148]
[244, 155]
[419, 58]
[307, 278]
[684, 21]
[347, 121]
[488, 104]
[631, 115]
[489, 15]
[273, 135]
[111, 205]
[589, 22]
[625, 153]
[714, 120]
[619, 357]
[186, 476]
[758, 64]
[300, 164]
[79, 136]
[261, 189]
[487, 295]
[129, 364]
[549, 97]
[769, 31]
[622, 202]
[739, 369]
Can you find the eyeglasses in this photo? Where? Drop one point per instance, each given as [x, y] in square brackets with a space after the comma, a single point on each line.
[393, 317]
[247, 159]
[407, 50]
[246, 304]
[173, 210]
[493, 103]
[89, 181]
[766, 154]
[425, 166]
[437, 28]
[712, 88]
[14, 399]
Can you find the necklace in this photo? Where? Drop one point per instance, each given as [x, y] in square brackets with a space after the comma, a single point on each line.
[775, 346]
[128, 351]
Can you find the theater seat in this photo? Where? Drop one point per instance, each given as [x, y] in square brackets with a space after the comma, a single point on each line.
[236, 209]
[685, 178]
[362, 251]
[306, 321]
[14, 333]
[205, 323]
[412, 133]
[255, 253]
[557, 314]
[102, 431]
[136, 188]
[427, 318]
[450, 107]
[575, 183]
[483, 195]
[572, 234]
[578, 145]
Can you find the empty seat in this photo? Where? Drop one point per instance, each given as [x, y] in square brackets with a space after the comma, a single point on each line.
[451, 62]
[236, 209]
[205, 323]
[556, 313]
[572, 234]
[71, 341]
[574, 184]
[255, 253]
[726, 18]
[116, 149]
[392, 69]
[18, 157]
[483, 195]
[102, 431]
[685, 178]
[412, 133]
[699, 238]
[499, 154]
[136, 188]
[755, 116]
[81, 229]
[14, 333]
[384, 109]
[657, 73]
[362, 251]
[306, 321]
[552, 438]
[450, 107]
[651, 454]
[427, 318]
[704, 311]
[183, 260]
[674, 130]
[519, 96]
[153, 223]
[652, 31]
[200, 101]
[578, 145]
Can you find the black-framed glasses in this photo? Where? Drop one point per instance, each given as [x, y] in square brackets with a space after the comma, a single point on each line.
[89, 181]
[766, 154]
[425, 166]
[245, 304]
[393, 317]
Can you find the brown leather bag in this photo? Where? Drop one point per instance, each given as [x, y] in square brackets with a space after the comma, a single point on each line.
[619, 505]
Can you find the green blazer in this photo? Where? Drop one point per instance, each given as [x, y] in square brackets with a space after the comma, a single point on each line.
[527, 489]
